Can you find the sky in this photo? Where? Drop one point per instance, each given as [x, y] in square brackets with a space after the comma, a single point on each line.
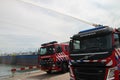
[26, 24]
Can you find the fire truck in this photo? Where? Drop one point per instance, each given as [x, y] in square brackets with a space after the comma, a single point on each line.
[54, 56]
[95, 54]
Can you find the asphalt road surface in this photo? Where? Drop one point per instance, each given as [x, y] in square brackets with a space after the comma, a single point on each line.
[39, 75]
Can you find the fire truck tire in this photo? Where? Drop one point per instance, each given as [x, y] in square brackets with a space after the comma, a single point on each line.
[49, 72]
[64, 67]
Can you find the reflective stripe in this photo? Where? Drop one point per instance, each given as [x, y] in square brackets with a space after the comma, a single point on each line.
[89, 53]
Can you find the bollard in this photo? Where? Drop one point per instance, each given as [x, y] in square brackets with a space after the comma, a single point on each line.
[23, 69]
[13, 72]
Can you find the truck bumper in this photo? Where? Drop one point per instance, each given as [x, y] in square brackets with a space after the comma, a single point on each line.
[54, 68]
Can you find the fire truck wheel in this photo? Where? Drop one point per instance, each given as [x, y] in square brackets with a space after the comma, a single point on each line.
[64, 67]
[48, 72]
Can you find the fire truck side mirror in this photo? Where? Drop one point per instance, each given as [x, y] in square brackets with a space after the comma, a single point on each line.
[116, 41]
[38, 51]
[114, 46]
[70, 45]
[119, 29]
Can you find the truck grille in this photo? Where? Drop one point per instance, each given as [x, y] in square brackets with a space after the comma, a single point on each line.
[89, 73]
[89, 70]
[48, 62]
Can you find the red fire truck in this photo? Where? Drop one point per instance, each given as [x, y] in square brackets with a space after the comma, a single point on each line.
[54, 56]
[95, 54]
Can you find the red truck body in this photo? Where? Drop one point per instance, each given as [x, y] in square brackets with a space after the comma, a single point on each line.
[54, 56]
[95, 54]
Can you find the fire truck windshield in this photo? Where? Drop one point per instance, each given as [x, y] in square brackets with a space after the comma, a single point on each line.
[90, 44]
[46, 50]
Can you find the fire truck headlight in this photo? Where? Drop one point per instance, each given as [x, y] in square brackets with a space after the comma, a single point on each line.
[111, 74]
[53, 65]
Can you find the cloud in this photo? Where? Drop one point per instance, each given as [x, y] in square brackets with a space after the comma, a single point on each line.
[94, 11]
[23, 25]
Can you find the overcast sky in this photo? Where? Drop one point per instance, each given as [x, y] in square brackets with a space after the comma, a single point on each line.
[26, 24]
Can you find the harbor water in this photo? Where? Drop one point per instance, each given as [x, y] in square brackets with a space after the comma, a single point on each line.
[5, 70]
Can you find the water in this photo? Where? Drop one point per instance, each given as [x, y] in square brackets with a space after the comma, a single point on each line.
[5, 70]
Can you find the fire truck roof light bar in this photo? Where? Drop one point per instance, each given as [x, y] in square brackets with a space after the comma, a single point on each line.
[93, 29]
[49, 43]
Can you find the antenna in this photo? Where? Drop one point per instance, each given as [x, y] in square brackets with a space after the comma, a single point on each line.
[35, 4]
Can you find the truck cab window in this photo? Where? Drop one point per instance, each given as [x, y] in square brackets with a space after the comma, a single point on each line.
[42, 51]
[76, 44]
[116, 40]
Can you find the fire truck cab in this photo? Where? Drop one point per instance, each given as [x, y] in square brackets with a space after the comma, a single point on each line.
[95, 54]
[54, 56]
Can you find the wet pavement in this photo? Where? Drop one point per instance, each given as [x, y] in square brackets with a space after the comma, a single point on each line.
[38, 75]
